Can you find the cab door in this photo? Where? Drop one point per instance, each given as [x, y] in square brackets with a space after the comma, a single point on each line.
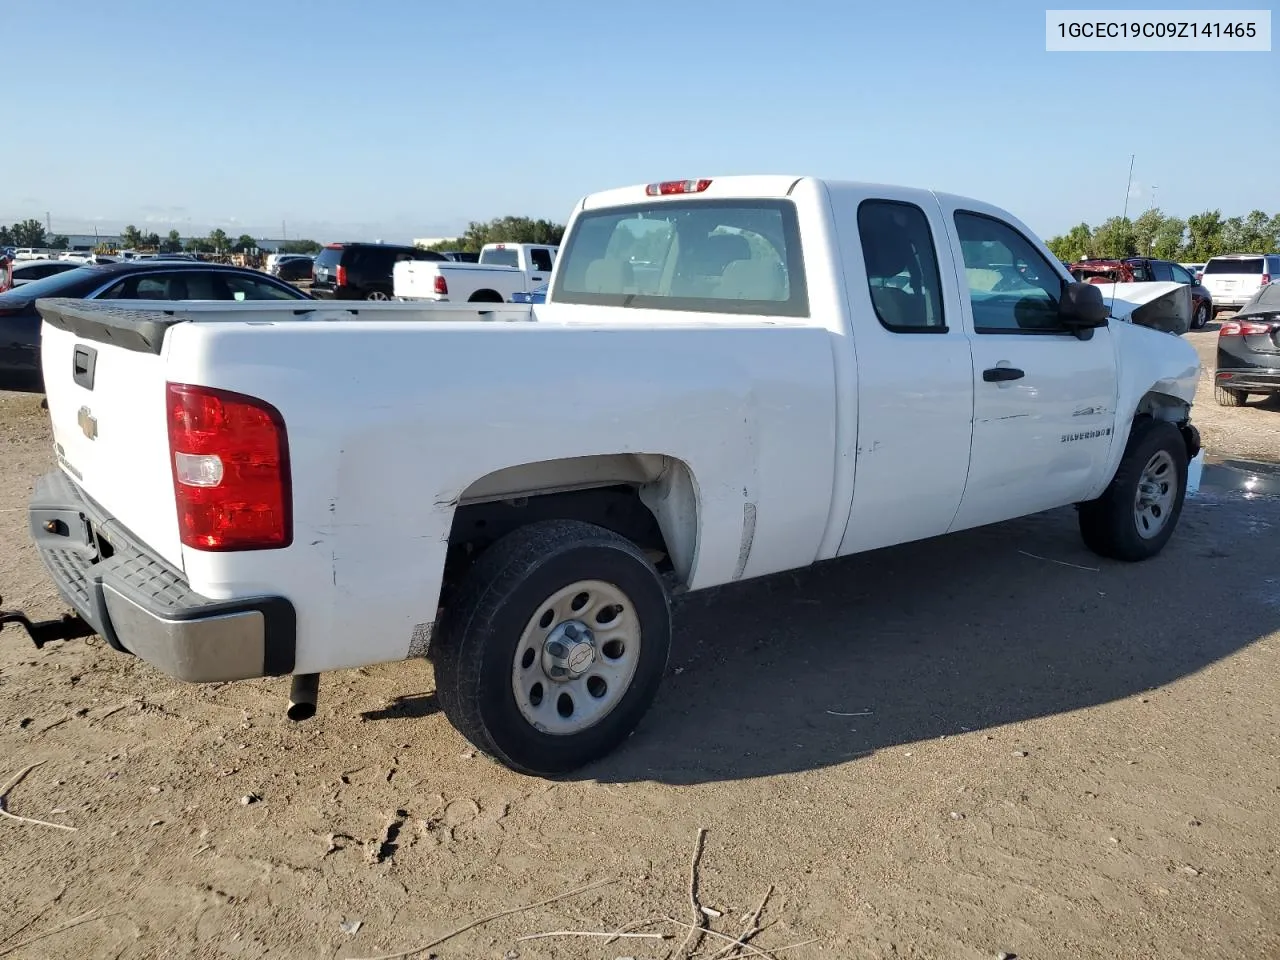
[1044, 402]
[914, 380]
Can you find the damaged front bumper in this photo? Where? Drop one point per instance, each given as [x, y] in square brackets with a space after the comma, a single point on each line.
[135, 601]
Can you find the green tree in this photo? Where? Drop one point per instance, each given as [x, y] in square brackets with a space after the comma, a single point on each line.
[28, 233]
[1074, 245]
[1257, 235]
[299, 246]
[1233, 238]
[1115, 238]
[6, 236]
[1204, 235]
[245, 243]
[151, 241]
[131, 238]
[218, 240]
[505, 230]
[1145, 230]
[199, 245]
[59, 243]
[172, 243]
[1169, 242]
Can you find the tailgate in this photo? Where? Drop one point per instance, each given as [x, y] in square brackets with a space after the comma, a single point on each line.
[104, 376]
[416, 278]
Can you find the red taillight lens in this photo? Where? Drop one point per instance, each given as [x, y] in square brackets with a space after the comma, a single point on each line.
[442, 285]
[1242, 328]
[340, 276]
[668, 187]
[230, 460]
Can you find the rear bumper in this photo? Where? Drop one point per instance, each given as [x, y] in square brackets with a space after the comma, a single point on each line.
[1255, 380]
[140, 605]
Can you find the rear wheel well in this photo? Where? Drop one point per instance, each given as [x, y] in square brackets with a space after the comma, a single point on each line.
[485, 296]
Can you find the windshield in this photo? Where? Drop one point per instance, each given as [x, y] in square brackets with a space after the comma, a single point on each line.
[55, 286]
[706, 256]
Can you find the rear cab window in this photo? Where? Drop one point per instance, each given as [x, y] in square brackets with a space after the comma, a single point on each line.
[500, 257]
[731, 256]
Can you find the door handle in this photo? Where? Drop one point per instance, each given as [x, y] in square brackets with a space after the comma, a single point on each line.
[1001, 374]
[536, 279]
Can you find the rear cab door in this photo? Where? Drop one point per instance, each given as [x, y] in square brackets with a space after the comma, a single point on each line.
[1044, 403]
[537, 263]
[914, 391]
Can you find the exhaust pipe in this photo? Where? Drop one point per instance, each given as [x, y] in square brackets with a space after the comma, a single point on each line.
[302, 696]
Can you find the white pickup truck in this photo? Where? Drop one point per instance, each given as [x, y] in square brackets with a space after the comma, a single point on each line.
[730, 377]
[504, 269]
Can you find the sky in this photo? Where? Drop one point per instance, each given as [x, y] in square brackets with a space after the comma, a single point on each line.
[393, 119]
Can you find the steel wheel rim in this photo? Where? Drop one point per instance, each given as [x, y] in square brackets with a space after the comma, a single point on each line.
[1202, 316]
[576, 657]
[1157, 488]
[377, 295]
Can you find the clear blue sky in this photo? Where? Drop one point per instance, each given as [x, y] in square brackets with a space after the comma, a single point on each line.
[400, 118]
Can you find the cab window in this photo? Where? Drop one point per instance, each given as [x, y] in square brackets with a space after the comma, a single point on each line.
[1012, 287]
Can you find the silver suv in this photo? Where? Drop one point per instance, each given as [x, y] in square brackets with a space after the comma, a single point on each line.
[1234, 279]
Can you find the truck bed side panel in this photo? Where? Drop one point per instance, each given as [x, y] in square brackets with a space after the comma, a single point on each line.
[390, 423]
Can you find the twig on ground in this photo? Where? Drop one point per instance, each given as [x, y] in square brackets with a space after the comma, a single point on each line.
[56, 723]
[750, 930]
[700, 918]
[754, 951]
[861, 713]
[633, 925]
[35, 916]
[596, 933]
[116, 709]
[487, 919]
[75, 922]
[4, 795]
[1061, 563]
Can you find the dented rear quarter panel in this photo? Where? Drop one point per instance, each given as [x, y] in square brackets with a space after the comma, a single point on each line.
[389, 422]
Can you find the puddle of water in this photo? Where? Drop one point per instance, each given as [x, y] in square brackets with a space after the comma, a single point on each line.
[1253, 478]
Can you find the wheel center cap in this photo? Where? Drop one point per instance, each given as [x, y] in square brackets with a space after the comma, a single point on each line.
[569, 652]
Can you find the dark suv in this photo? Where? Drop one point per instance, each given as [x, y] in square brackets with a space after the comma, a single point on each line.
[1146, 270]
[361, 271]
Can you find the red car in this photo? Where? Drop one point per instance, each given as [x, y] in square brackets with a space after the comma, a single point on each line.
[1144, 270]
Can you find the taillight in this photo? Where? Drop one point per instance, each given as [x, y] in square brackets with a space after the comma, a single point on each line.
[230, 459]
[340, 276]
[442, 285]
[668, 187]
[1242, 328]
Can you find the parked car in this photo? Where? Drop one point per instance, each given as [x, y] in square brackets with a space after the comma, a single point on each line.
[275, 259]
[1147, 270]
[20, 367]
[361, 271]
[25, 271]
[31, 253]
[516, 499]
[295, 268]
[1248, 358]
[1235, 278]
[503, 270]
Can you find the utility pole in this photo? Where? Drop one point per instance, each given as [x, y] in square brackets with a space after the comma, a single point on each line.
[1128, 187]
[48, 225]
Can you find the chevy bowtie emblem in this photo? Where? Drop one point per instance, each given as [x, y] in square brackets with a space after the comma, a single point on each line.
[88, 423]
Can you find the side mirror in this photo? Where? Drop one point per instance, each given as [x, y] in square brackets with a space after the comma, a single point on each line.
[1082, 309]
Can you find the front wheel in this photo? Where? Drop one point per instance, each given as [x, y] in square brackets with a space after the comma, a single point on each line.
[1137, 513]
[554, 648]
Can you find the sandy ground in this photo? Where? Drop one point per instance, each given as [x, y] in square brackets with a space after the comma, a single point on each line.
[955, 749]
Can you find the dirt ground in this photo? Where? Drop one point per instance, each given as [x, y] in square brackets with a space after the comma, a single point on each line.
[989, 743]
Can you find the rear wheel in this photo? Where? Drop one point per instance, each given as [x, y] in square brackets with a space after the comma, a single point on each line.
[1137, 513]
[1227, 397]
[377, 295]
[555, 646]
[1201, 318]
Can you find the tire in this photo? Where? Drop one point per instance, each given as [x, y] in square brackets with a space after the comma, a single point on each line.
[1115, 525]
[497, 646]
[376, 294]
[1201, 317]
[1230, 398]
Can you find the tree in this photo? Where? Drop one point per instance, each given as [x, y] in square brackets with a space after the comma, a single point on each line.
[28, 233]
[218, 240]
[1115, 239]
[244, 244]
[1258, 234]
[131, 238]
[1204, 235]
[299, 246]
[504, 230]
[1074, 244]
[151, 241]
[1145, 229]
[6, 236]
[59, 243]
[172, 243]
[199, 245]
[1170, 242]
